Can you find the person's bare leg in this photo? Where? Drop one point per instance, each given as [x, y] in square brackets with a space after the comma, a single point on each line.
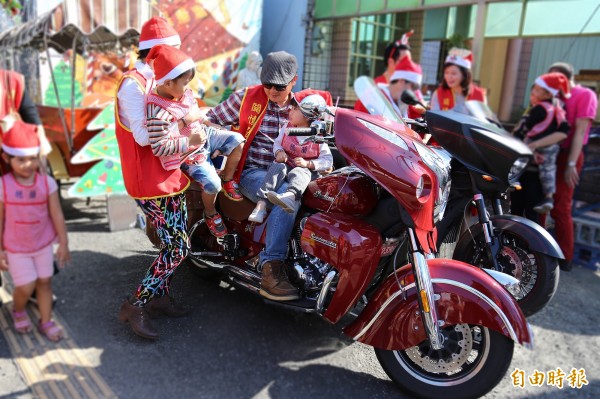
[232, 162]
[21, 295]
[208, 200]
[43, 293]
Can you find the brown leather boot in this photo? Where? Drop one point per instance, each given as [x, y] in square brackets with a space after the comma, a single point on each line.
[165, 306]
[275, 284]
[138, 320]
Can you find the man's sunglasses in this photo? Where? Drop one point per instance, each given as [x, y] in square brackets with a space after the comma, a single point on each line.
[269, 86]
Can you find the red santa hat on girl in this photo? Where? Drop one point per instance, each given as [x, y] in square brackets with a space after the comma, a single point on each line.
[556, 83]
[21, 140]
[168, 63]
[157, 31]
[461, 57]
[408, 70]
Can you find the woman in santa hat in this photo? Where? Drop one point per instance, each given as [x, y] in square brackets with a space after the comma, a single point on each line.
[159, 192]
[31, 220]
[457, 86]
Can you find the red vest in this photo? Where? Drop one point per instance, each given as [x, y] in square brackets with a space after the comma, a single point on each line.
[143, 173]
[446, 97]
[16, 82]
[307, 150]
[252, 111]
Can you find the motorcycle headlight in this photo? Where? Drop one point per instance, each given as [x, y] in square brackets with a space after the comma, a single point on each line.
[438, 160]
[517, 168]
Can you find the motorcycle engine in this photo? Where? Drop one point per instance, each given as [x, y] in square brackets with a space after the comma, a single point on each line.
[306, 272]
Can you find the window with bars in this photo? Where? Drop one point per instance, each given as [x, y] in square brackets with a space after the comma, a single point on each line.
[370, 35]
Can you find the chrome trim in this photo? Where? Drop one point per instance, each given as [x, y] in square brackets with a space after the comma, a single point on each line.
[381, 309]
[509, 283]
[245, 274]
[200, 254]
[244, 284]
[512, 333]
[324, 289]
[424, 282]
[509, 327]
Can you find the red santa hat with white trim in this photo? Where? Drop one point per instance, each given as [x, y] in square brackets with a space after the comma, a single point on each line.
[556, 83]
[461, 57]
[168, 63]
[158, 31]
[408, 70]
[21, 140]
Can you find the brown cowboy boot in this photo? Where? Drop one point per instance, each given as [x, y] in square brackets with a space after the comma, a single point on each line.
[275, 284]
[165, 306]
[138, 320]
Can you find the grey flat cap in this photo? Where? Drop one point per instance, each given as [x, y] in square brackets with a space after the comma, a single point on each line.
[279, 68]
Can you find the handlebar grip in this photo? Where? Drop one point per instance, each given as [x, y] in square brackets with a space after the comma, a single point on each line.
[302, 131]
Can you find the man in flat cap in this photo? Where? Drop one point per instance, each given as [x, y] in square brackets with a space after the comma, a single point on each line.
[258, 113]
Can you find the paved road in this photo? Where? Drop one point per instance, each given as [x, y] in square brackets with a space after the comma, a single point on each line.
[234, 346]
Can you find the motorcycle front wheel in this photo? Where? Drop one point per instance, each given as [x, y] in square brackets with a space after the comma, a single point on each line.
[472, 362]
[537, 273]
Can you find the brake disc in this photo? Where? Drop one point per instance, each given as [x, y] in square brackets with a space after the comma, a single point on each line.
[458, 344]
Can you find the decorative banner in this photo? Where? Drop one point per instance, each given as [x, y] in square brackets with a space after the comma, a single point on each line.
[103, 178]
[105, 119]
[102, 146]
[62, 74]
[106, 176]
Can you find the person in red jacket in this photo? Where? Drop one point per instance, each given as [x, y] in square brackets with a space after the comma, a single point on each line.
[393, 53]
[457, 86]
[581, 108]
[408, 75]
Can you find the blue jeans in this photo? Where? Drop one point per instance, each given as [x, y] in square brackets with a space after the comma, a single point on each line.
[279, 224]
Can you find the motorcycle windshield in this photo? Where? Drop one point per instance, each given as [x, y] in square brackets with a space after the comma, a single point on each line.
[373, 99]
[477, 143]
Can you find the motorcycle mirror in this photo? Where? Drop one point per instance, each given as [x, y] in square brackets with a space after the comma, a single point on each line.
[409, 97]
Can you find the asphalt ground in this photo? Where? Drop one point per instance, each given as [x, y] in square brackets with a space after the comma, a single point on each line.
[233, 345]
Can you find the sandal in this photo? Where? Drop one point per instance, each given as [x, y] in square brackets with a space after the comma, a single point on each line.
[53, 332]
[21, 321]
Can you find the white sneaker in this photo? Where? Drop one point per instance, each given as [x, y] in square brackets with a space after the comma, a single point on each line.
[287, 201]
[257, 215]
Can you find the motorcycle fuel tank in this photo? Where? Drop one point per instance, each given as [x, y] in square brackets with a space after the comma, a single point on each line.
[347, 190]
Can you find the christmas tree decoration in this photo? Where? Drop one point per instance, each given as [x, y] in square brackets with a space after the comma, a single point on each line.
[103, 178]
[106, 176]
[62, 73]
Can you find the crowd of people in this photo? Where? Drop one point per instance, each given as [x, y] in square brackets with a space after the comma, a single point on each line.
[166, 141]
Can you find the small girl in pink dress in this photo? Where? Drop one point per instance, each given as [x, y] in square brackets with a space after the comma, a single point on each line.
[31, 221]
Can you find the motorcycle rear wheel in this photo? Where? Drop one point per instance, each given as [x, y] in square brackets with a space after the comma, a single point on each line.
[472, 362]
[537, 273]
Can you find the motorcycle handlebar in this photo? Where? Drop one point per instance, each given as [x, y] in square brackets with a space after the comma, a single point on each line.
[302, 131]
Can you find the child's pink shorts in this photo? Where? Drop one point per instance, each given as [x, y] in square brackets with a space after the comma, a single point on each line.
[26, 268]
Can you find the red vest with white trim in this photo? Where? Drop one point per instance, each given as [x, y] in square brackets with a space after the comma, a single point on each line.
[446, 97]
[143, 173]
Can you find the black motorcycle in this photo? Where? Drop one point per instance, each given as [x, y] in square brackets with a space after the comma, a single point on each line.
[486, 164]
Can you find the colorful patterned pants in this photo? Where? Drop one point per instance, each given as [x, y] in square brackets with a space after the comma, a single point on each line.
[168, 215]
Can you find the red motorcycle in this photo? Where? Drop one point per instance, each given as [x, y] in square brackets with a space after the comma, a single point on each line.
[439, 327]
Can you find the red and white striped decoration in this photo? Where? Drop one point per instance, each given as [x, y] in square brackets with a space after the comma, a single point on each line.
[89, 73]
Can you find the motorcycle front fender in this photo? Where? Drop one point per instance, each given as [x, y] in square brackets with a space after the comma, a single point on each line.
[533, 234]
[464, 294]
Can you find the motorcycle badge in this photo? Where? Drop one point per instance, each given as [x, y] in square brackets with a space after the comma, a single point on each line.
[323, 241]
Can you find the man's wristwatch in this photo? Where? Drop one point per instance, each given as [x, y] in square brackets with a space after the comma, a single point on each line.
[572, 164]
